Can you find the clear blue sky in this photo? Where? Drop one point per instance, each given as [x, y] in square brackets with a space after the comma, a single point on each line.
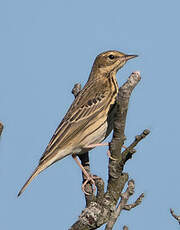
[46, 47]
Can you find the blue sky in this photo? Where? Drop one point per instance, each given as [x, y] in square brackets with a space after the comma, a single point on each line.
[48, 46]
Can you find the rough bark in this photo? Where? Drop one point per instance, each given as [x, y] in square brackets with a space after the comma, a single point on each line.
[103, 208]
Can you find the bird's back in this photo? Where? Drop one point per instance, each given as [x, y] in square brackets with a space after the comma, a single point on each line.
[92, 103]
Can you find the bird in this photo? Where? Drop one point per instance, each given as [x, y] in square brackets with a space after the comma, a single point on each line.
[89, 119]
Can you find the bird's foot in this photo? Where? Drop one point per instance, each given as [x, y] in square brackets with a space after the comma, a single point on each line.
[109, 154]
[104, 144]
[88, 178]
[92, 181]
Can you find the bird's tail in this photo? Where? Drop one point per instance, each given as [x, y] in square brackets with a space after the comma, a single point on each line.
[34, 174]
[43, 165]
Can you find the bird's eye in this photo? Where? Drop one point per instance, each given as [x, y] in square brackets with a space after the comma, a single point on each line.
[111, 56]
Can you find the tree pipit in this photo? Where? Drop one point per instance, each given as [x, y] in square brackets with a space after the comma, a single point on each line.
[89, 119]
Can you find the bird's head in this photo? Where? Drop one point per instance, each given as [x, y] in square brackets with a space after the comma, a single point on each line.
[110, 61]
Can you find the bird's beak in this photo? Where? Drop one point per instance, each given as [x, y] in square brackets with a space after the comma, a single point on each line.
[128, 57]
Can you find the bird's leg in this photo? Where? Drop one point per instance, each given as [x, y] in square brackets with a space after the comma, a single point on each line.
[100, 144]
[88, 177]
[95, 145]
[103, 144]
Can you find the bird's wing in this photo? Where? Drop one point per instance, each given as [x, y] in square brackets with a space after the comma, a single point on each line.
[93, 98]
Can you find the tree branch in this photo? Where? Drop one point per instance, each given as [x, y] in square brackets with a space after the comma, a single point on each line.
[129, 151]
[102, 207]
[128, 207]
[76, 89]
[116, 167]
[124, 198]
[174, 215]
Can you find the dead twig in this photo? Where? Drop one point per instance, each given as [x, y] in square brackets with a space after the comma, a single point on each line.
[128, 207]
[174, 215]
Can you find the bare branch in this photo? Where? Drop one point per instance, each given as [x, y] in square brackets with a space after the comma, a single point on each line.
[103, 206]
[128, 207]
[129, 151]
[116, 167]
[124, 198]
[100, 189]
[174, 215]
[76, 89]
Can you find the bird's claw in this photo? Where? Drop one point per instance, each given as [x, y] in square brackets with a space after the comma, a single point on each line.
[91, 180]
[109, 155]
[112, 158]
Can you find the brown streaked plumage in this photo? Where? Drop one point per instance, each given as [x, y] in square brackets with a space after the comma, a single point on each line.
[89, 118]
